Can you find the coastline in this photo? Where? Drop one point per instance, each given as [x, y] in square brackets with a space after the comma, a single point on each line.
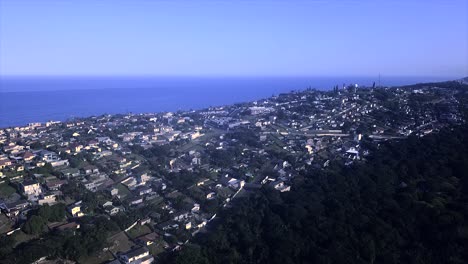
[64, 98]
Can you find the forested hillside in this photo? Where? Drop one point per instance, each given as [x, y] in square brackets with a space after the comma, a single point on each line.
[407, 204]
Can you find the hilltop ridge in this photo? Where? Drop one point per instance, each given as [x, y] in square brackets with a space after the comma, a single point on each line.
[157, 179]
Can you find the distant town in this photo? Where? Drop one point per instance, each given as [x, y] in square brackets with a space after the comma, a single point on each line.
[158, 179]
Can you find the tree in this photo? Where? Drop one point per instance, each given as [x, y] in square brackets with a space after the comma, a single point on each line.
[354, 214]
[34, 225]
[57, 212]
[191, 255]
[6, 247]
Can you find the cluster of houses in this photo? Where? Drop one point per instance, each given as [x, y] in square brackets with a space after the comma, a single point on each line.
[283, 134]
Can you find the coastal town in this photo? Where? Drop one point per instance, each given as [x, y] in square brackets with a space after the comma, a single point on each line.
[161, 178]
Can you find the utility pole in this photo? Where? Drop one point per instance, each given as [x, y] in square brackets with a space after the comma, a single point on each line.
[379, 79]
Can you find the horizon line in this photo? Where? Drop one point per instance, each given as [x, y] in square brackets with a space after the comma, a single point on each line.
[218, 76]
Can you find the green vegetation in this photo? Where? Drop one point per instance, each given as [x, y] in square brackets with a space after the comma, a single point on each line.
[245, 136]
[138, 230]
[34, 225]
[406, 204]
[6, 190]
[123, 191]
[74, 245]
[47, 169]
[39, 218]
[185, 178]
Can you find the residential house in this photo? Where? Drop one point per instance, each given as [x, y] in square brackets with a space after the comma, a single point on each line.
[55, 185]
[31, 188]
[202, 182]
[48, 198]
[5, 163]
[142, 178]
[148, 239]
[135, 200]
[13, 148]
[28, 156]
[75, 209]
[139, 255]
[88, 170]
[180, 215]
[211, 195]
[48, 156]
[145, 221]
[75, 147]
[280, 186]
[70, 172]
[195, 208]
[59, 163]
[93, 143]
[130, 182]
[112, 210]
[19, 168]
[232, 182]
[13, 209]
[114, 191]
[143, 190]
[90, 185]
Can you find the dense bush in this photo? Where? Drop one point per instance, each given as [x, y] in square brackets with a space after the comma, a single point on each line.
[90, 238]
[39, 217]
[407, 204]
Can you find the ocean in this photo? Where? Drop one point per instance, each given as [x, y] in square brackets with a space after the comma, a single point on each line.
[38, 99]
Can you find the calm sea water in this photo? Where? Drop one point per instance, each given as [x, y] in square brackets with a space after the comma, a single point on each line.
[25, 100]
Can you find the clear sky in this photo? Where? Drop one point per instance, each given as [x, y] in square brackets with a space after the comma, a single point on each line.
[234, 38]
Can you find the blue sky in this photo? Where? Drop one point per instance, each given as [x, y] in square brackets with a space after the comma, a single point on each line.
[234, 38]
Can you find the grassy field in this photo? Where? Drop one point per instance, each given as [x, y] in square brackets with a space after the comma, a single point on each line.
[21, 237]
[120, 242]
[5, 224]
[198, 144]
[98, 258]
[157, 247]
[225, 192]
[123, 191]
[6, 190]
[138, 230]
[157, 200]
[174, 195]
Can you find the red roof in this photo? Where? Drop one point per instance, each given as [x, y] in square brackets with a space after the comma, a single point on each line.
[5, 162]
[27, 155]
[71, 225]
[56, 183]
[148, 237]
[93, 142]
